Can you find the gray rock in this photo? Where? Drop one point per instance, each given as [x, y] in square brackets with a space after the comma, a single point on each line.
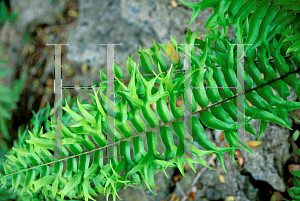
[101, 22]
[201, 193]
[213, 194]
[235, 184]
[267, 161]
[204, 199]
[36, 12]
[132, 23]
[217, 134]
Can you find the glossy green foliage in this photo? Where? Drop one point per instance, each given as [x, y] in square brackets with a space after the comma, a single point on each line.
[84, 171]
[4, 15]
[295, 192]
[9, 94]
[9, 97]
[38, 124]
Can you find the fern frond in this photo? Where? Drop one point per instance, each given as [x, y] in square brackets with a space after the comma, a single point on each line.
[217, 66]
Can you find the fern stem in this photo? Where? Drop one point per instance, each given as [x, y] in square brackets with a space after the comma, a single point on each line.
[268, 83]
[157, 127]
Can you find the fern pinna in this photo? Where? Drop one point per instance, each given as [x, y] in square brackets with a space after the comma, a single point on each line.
[295, 191]
[271, 62]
